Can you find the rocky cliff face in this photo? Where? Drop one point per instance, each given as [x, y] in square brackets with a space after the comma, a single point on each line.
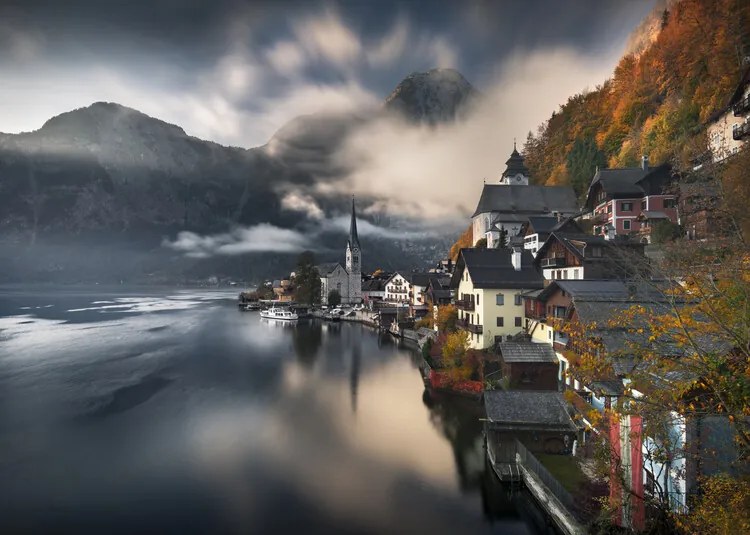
[92, 193]
[432, 97]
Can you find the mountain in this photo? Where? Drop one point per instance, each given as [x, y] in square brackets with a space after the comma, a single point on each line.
[93, 193]
[432, 97]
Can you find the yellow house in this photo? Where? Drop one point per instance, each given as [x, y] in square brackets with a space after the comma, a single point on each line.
[488, 285]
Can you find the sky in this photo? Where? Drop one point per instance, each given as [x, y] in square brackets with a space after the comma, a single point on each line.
[235, 72]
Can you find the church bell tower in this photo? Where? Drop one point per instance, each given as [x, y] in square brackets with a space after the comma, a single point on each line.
[354, 260]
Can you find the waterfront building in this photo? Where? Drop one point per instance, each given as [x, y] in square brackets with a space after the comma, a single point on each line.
[538, 228]
[489, 284]
[346, 280]
[528, 366]
[397, 289]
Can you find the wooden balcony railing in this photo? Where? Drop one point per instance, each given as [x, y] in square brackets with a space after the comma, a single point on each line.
[465, 325]
[465, 304]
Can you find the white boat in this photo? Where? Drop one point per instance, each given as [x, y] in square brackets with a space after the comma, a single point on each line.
[274, 313]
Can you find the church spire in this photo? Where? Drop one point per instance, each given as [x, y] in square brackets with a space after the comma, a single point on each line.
[353, 237]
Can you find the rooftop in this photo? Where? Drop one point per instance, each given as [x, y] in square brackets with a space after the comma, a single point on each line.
[529, 200]
[528, 409]
[526, 352]
[492, 268]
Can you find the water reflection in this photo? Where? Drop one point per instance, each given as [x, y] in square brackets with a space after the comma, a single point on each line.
[218, 422]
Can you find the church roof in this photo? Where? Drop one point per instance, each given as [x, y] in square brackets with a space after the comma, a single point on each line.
[530, 200]
[325, 269]
[353, 236]
[515, 164]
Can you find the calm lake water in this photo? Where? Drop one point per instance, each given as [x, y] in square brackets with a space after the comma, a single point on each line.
[171, 411]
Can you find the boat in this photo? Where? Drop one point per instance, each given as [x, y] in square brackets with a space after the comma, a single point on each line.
[253, 305]
[275, 313]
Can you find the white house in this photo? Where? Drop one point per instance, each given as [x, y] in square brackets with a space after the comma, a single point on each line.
[397, 289]
[729, 129]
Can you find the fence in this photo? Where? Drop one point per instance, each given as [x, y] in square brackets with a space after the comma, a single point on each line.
[532, 464]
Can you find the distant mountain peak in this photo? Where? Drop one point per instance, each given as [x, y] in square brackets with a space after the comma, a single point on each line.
[432, 97]
[106, 115]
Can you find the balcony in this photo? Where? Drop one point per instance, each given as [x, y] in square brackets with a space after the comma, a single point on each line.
[742, 107]
[465, 325]
[465, 304]
[555, 261]
[740, 131]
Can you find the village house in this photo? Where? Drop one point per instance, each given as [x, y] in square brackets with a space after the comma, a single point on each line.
[438, 291]
[729, 128]
[505, 206]
[397, 289]
[630, 200]
[538, 228]
[488, 284]
[575, 255]
[373, 291]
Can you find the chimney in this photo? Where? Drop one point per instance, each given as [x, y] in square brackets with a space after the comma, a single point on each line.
[515, 258]
[644, 162]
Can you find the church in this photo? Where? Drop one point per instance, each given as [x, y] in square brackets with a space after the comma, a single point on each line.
[508, 204]
[346, 280]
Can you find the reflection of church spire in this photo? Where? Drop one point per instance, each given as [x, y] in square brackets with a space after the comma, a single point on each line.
[354, 375]
[353, 237]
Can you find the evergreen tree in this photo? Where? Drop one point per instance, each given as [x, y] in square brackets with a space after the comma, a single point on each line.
[307, 280]
[502, 241]
[334, 298]
[583, 159]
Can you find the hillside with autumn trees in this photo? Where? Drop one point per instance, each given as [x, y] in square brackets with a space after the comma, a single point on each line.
[656, 102]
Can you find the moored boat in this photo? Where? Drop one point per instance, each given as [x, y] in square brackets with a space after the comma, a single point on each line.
[275, 313]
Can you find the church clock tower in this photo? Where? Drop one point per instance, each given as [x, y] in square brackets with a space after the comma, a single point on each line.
[354, 261]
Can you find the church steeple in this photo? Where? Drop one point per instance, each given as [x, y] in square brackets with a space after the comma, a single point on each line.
[353, 237]
[516, 171]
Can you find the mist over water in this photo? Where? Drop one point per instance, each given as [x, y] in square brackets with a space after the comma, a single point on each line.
[171, 411]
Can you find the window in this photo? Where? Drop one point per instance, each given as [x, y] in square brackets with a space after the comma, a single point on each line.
[644, 204]
[518, 300]
[499, 321]
[669, 203]
[596, 252]
[500, 299]
[565, 274]
[626, 224]
[609, 208]
[575, 274]
[627, 206]
[477, 299]
[518, 322]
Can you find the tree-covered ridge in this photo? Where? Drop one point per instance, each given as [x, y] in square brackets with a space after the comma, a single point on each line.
[655, 102]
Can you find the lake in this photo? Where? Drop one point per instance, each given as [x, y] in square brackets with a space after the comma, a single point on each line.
[146, 410]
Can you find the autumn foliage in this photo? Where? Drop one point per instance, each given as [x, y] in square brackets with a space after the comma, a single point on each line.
[655, 101]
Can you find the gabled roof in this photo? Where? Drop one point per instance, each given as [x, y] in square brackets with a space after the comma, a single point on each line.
[326, 268]
[630, 181]
[417, 278]
[542, 223]
[492, 268]
[525, 409]
[526, 352]
[528, 200]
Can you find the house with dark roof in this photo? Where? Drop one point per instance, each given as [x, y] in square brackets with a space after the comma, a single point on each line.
[488, 284]
[575, 255]
[528, 366]
[538, 228]
[616, 198]
[438, 291]
[373, 290]
[503, 207]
